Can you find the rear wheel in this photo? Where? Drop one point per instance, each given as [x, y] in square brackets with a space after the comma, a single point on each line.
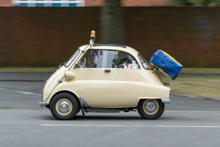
[150, 108]
[64, 106]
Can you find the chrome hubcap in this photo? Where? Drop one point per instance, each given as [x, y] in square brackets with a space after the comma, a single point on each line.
[64, 106]
[151, 106]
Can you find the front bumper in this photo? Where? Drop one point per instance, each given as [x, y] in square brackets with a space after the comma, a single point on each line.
[165, 100]
[42, 104]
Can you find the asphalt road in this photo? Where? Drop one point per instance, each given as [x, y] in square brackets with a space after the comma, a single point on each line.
[185, 122]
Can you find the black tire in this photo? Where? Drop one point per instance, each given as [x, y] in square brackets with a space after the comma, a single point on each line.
[64, 98]
[154, 114]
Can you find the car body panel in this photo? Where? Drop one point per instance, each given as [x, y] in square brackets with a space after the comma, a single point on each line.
[119, 88]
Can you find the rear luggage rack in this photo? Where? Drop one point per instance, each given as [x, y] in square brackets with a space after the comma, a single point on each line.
[166, 84]
[169, 84]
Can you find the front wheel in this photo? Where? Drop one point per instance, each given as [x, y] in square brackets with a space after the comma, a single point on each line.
[150, 108]
[64, 106]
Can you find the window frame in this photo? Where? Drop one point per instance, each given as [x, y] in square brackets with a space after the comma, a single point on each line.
[70, 60]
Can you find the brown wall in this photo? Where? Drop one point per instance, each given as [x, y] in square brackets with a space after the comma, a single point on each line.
[97, 3]
[129, 3]
[48, 36]
[5, 3]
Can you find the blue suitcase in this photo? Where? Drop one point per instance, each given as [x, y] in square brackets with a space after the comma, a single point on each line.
[166, 64]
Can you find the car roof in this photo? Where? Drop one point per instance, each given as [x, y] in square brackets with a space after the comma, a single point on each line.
[124, 46]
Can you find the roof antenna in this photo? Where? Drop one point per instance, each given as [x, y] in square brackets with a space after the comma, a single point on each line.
[92, 38]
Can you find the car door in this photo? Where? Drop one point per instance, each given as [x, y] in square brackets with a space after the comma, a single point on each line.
[107, 78]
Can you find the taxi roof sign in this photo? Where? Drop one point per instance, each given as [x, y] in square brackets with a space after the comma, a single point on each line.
[92, 38]
[92, 33]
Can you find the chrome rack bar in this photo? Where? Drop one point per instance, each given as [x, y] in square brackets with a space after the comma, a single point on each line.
[155, 70]
[170, 83]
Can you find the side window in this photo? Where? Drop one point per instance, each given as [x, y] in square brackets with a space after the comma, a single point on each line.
[107, 59]
[118, 59]
[144, 62]
[94, 59]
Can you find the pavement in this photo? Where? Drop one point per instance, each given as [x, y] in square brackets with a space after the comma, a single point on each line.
[174, 129]
[185, 122]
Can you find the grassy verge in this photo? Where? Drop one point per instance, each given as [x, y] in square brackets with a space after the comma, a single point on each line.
[28, 70]
[209, 87]
[200, 71]
[6, 108]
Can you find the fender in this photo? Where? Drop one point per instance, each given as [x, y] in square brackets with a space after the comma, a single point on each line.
[56, 91]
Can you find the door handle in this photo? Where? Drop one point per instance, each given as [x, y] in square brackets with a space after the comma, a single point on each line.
[107, 70]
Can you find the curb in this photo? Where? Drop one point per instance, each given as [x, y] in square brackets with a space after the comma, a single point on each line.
[197, 97]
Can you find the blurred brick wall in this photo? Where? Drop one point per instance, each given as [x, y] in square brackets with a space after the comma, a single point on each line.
[5, 3]
[129, 3]
[48, 36]
[94, 3]
[189, 34]
[133, 3]
[44, 36]
[97, 3]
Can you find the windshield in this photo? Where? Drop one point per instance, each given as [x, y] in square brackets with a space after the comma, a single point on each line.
[144, 62]
[72, 58]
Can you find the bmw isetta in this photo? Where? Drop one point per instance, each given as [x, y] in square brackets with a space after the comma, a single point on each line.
[105, 78]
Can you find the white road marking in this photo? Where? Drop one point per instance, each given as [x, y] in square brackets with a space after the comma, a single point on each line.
[129, 126]
[30, 93]
[188, 111]
[22, 92]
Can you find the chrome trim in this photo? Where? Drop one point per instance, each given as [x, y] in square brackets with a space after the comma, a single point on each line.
[150, 106]
[42, 104]
[65, 74]
[91, 42]
[170, 83]
[155, 70]
[64, 106]
[165, 100]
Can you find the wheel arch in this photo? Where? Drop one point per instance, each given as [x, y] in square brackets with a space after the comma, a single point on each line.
[146, 98]
[66, 91]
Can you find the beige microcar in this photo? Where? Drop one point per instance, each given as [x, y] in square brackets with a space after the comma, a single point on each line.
[105, 78]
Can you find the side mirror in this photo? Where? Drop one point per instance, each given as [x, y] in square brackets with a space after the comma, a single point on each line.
[69, 75]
